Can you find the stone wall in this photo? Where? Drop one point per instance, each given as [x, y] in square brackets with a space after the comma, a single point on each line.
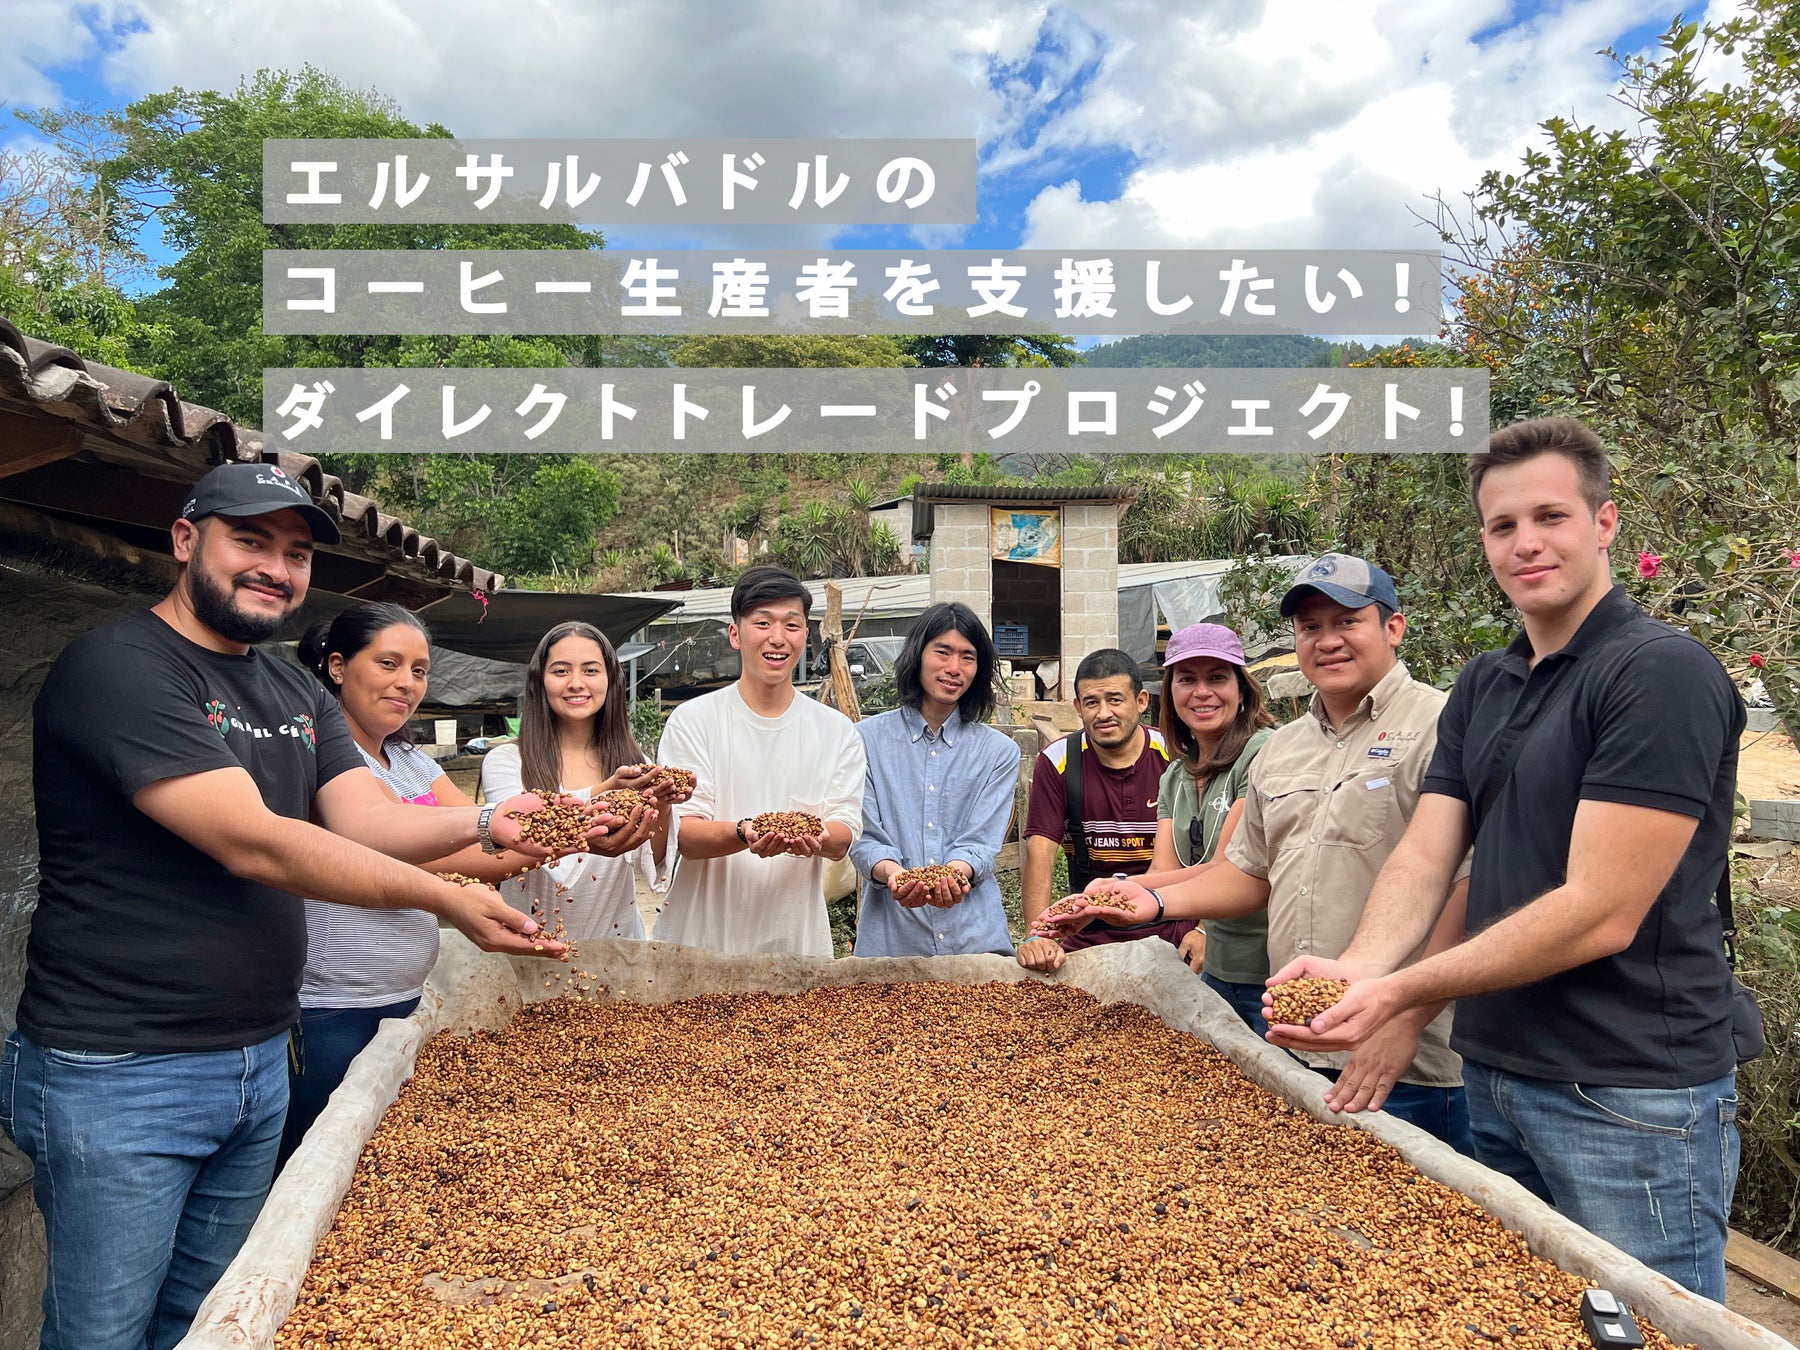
[41, 609]
[960, 559]
[1090, 577]
[962, 569]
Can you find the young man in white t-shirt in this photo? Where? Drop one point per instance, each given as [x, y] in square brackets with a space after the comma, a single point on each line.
[754, 747]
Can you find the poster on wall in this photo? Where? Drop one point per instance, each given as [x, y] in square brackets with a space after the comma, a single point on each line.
[1027, 536]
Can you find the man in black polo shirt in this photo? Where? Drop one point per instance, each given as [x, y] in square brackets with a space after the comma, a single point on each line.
[1593, 760]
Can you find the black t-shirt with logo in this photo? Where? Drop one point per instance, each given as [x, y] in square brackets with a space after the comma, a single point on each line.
[141, 942]
[1649, 719]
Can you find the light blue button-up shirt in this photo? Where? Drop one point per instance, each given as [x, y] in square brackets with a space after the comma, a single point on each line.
[933, 798]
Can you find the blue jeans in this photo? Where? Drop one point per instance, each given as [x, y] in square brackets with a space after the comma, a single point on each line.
[1442, 1113]
[149, 1171]
[1650, 1170]
[1245, 1000]
[320, 1048]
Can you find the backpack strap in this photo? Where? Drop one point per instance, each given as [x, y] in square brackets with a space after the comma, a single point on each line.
[1080, 864]
[1727, 920]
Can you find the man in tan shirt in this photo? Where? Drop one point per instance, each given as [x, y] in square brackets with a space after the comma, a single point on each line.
[1330, 796]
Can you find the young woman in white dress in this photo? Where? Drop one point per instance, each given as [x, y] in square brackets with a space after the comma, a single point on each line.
[575, 736]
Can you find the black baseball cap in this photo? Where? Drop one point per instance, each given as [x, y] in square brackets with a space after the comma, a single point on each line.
[256, 490]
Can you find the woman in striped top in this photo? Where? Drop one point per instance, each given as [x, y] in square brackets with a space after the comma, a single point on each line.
[364, 965]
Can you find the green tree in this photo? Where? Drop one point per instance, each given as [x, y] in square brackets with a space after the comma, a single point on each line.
[976, 350]
[50, 297]
[980, 349]
[1644, 280]
[60, 270]
[191, 163]
[802, 350]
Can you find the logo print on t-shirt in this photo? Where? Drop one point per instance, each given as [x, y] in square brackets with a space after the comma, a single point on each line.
[216, 719]
[305, 723]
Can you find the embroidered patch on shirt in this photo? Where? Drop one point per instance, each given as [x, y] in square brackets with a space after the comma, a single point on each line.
[1380, 751]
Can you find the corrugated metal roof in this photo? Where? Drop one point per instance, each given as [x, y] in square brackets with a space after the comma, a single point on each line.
[131, 421]
[926, 495]
[905, 597]
[958, 492]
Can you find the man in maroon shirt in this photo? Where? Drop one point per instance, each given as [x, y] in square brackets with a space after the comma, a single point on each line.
[1093, 795]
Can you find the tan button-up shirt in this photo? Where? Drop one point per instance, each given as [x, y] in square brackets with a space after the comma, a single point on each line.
[1326, 806]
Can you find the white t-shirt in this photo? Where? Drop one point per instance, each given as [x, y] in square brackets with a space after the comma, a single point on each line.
[808, 759]
[596, 897]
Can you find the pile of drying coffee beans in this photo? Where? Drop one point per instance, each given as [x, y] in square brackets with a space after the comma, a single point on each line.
[1297, 1002]
[894, 1165]
[789, 825]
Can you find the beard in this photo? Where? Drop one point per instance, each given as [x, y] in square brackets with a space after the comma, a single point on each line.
[213, 606]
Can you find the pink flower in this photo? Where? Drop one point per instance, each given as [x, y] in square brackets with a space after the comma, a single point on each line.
[1793, 557]
[1649, 564]
[1756, 660]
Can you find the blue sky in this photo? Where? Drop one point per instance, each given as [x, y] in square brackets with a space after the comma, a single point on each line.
[1127, 123]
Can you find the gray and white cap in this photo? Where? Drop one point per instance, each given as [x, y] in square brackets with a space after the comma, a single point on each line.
[1353, 582]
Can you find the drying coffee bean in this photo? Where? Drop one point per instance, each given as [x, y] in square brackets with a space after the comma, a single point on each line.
[929, 876]
[1297, 1002]
[789, 826]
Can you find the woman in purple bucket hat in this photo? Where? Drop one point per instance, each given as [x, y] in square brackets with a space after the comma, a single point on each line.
[1215, 719]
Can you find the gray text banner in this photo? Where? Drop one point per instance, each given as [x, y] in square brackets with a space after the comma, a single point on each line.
[991, 410]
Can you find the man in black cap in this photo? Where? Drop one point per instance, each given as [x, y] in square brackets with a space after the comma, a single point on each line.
[175, 771]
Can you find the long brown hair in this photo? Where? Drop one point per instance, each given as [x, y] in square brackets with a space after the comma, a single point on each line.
[540, 754]
[1252, 714]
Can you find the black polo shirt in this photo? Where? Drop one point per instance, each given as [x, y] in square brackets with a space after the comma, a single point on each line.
[1650, 719]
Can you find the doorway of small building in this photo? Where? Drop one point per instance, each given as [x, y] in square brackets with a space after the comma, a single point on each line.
[1027, 612]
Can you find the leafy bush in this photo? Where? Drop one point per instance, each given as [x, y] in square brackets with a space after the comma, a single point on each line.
[646, 726]
[1768, 1191]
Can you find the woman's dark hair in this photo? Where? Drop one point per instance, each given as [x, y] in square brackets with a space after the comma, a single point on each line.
[978, 700]
[1252, 714]
[540, 753]
[348, 633]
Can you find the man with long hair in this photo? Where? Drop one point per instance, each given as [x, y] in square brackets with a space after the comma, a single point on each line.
[939, 791]
[755, 747]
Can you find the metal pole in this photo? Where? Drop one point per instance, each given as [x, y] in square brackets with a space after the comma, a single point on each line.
[632, 707]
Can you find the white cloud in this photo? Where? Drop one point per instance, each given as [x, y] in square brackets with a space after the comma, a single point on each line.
[1283, 123]
[569, 67]
[40, 35]
[1318, 124]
